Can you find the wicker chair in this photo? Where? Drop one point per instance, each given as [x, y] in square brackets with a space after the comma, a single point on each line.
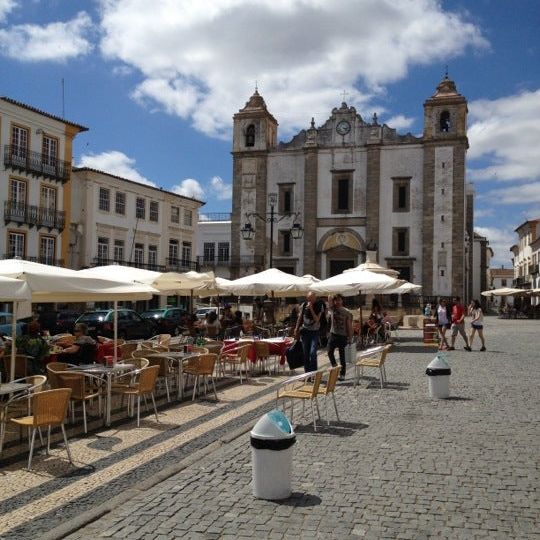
[202, 366]
[84, 387]
[326, 389]
[235, 358]
[262, 352]
[126, 349]
[165, 371]
[48, 410]
[19, 404]
[21, 365]
[143, 386]
[376, 360]
[52, 369]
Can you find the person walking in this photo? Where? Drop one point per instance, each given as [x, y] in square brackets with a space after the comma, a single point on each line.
[443, 323]
[477, 324]
[307, 329]
[458, 323]
[340, 332]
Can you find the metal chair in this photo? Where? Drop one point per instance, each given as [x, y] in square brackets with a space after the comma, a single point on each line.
[374, 360]
[202, 366]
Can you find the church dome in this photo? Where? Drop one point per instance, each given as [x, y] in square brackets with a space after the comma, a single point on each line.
[447, 87]
[256, 101]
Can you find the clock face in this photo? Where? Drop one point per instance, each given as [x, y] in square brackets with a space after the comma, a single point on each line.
[343, 127]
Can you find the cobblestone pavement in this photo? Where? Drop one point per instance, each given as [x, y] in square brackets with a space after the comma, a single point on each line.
[397, 465]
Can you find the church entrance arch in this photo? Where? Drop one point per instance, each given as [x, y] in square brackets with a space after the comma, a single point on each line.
[341, 249]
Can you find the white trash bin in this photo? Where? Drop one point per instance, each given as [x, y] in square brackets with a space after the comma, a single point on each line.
[272, 440]
[438, 372]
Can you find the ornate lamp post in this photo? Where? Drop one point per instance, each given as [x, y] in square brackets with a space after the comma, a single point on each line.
[248, 231]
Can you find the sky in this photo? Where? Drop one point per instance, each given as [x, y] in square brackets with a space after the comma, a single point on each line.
[157, 82]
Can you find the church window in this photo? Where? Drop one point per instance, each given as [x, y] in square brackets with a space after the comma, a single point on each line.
[442, 217]
[442, 273]
[444, 122]
[286, 243]
[342, 193]
[286, 198]
[401, 194]
[400, 241]
[250, 135]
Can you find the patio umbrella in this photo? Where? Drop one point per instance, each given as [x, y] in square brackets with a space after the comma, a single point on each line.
[356, 281]
[14, 290]
[212, 288]
[56, 284]
[406, 288]
[371, 266]
[504, 291]
[271, 281]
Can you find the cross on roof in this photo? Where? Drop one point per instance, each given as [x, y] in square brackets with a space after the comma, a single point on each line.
[344, 93]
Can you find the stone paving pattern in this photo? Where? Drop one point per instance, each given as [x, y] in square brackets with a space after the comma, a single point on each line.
[398, 465]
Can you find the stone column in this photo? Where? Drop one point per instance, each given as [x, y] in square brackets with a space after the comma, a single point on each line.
[373, 181]
[458, 229]
[427, 221]
[310, 211]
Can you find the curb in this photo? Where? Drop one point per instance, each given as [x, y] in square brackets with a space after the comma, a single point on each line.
[99, 511]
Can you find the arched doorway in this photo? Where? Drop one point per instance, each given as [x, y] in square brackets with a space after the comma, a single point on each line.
[341, 249]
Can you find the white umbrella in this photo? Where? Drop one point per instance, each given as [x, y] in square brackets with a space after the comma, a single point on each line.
[371, 266]
[406, 288]
[503, 291]
[56, 284]
[213, 288]
[271, 281]
[14, 290]
[355, 281]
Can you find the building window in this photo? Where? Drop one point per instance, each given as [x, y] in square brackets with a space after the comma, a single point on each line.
[341, 194]
[47, 197]
[173, 251]
[17, 192]
[175, 214]
[119, 251]
[104, 199]
[140, 208]
[120, 203]
[503, 282]
[49, 151]
[223, 251]
[444, 122]
[286, 242]
[442, 272]
[186, 253]
[47, 249]
[16, 245]
[250, 135]
[152, 256]
[138, 254]
[400, 243]
[19, 144]
[209, 251]
[103, 250]
[286, 200]
[188, 218]
[154, 211]
[401, 198]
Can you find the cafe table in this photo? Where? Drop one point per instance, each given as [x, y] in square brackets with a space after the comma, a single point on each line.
[108, 372]
[13, 388]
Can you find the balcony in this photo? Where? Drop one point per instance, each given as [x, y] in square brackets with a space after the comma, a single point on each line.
[34, 216]
[99, 261]
[42, 260]
[243, 261]
[522, 282]
[181, 265]
[20, 159]
[534, 270]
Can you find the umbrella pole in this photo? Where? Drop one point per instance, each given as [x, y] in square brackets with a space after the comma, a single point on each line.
[13, 340]
[115, 330]
[361, 319]
[191, 310]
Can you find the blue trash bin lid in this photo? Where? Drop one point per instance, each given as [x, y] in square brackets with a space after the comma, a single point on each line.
[273, 425]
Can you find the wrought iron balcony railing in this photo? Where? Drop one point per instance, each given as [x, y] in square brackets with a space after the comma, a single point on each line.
[100, 261]
[521, 281]
[19, 158]
[244, 260]
[41, 259]
[35, 216]
[181, 265]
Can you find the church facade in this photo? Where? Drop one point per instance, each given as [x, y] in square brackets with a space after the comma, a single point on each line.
[354, 186]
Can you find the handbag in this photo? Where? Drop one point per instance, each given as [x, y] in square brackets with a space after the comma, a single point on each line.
[295, 355]
[350, 353]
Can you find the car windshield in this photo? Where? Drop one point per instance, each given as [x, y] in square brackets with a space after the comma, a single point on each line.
[93, 316]
[153, 314]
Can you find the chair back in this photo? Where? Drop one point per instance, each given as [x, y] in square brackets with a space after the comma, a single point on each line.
[126, 349]
[384, 352]
[37, 382]
[52, 369]
[200, 350]
[262, 349]
[162, 362]
[139, 363]
[206, 364]
[316, 383]
[144, 353]
[214, 346]
[20, 365]
[164, 340]
[147, 379]
[75, 381]
[50, 407]
[333, 375]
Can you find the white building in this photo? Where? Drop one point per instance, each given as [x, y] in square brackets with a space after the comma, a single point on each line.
[353, 184]
[481, 258]
[116, 220]
[214, 244]
[35, 183]
[498, 278]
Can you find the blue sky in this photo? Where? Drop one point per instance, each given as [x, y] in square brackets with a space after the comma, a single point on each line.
[158, 82]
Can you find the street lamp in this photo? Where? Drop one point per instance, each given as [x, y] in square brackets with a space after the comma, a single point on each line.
[248, 231]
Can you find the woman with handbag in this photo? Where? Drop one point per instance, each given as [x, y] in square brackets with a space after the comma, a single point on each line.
[307, 329]
[341, 332]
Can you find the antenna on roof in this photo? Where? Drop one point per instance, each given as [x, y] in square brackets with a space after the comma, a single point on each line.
[63, 99]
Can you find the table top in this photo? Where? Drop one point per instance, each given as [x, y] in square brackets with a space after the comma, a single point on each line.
[99, 368]
[10, 388]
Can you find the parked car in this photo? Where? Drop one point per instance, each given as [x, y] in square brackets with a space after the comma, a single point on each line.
[201, 313]
[166, 320]
[130, 324]
[58, 322]
[6, 319]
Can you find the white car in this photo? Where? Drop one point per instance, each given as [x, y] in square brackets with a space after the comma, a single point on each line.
[202, 312]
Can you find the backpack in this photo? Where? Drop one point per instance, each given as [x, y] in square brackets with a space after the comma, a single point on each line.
[295, 355]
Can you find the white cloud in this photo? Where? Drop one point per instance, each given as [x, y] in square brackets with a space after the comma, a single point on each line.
[505, 133]
[522, 194]
[56, 41]
[220, 189]
[6, 6]
[116, 163]
[189, 188]
[483, 212]
[500, 241]
[399, 122]
[199, 60]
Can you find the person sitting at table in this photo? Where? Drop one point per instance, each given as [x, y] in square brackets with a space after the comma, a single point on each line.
[83, 350]
[227, 318]
[34, 347]
[211, 325]
[247, 327]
